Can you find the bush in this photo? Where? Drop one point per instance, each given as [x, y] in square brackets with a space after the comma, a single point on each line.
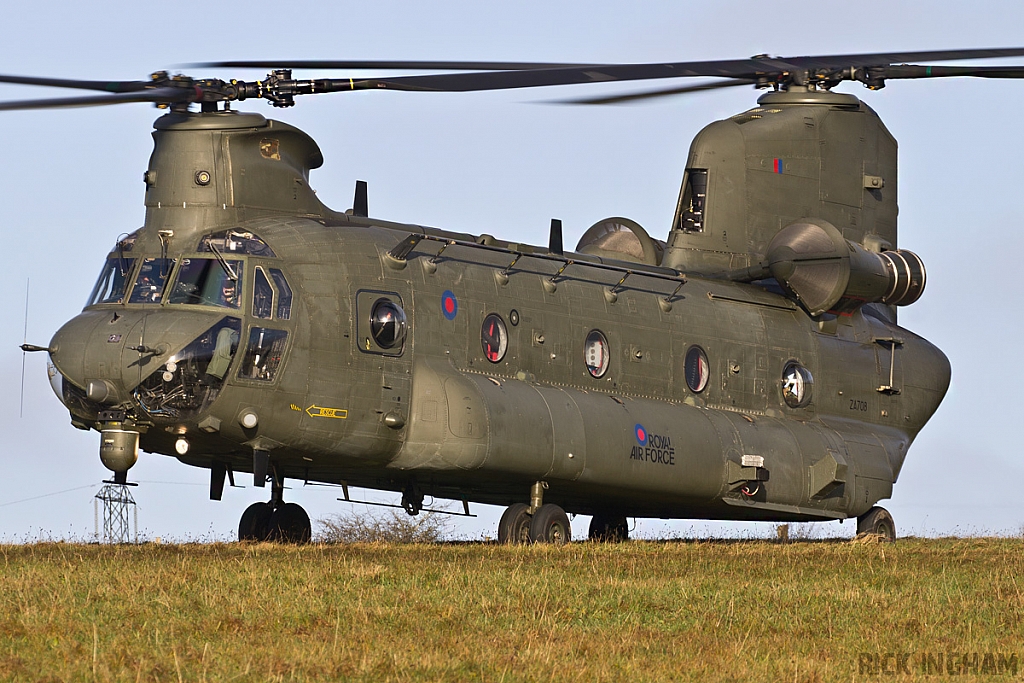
[384, 526]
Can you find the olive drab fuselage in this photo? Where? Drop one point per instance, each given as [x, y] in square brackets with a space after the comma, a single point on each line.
[471, 368]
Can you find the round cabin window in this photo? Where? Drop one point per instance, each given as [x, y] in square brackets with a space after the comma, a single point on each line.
[387, 324]
[494, 338]
[796, 385]
[697, 369]
[595, 354]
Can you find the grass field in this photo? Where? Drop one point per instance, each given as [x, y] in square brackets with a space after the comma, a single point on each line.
[640, 611]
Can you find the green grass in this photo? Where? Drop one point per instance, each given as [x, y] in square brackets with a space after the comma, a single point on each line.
[641, 611]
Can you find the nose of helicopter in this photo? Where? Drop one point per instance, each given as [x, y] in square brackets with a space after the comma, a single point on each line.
[106, 354]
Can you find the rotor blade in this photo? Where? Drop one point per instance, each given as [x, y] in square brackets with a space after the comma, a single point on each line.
[384, 65]
[651, 94]
[914, 71]
[755, 68]
[884, 58]
[156, 95]
[105, 86]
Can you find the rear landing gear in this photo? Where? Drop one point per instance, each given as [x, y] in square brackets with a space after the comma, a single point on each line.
[514, 526]
[534, 523]
[608, 527]
[879, 522]
[550, 525]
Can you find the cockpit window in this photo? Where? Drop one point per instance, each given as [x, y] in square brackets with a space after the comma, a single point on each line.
[235, 242]
[192, 378]
[113, 281]
[149, 285]
[263, 354]
[262, 296]
[284, 295]
[209, 282]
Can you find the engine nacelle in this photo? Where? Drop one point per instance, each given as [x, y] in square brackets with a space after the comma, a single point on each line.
[825, 272]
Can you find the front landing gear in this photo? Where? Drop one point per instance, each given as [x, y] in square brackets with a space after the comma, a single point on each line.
[877, 521]
[275, 521]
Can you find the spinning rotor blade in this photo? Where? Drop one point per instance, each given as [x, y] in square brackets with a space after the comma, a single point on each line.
[156, 95]
[280, 88]
[762, 69]
[913, 71]
[651, 94]
[384, 65]
[105, 86]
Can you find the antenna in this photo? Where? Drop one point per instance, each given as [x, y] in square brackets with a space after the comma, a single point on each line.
[24, 351]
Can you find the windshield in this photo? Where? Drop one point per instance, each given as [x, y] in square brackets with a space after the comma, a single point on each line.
[113, 281]
[149, 285]
[209, 282]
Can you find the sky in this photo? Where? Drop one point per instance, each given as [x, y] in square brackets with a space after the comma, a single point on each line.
[504, 163]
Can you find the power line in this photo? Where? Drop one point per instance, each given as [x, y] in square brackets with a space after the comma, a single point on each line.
[47, 495]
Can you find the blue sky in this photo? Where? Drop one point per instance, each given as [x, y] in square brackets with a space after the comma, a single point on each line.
[505, 163]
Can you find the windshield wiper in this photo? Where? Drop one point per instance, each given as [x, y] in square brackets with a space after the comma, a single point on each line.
[224, 264]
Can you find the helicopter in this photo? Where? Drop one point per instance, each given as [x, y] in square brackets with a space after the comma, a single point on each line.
[748, 367]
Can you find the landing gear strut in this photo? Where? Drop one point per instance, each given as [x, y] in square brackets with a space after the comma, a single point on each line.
[534, 523]
[275, 521]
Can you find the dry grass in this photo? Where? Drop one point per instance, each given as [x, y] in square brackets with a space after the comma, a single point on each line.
[640, 611]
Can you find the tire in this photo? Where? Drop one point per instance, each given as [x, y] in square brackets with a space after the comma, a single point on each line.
[879, 522]
[255, 522]
[609, 528]
[290, 524]
[514, 526]
[550, 525]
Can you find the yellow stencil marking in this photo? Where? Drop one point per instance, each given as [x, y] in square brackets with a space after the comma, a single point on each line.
[295, 407]
[320, 411]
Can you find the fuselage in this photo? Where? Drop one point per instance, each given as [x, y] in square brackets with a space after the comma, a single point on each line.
[712, 399]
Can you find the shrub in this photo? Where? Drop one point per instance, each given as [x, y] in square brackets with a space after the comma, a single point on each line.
[383, 526]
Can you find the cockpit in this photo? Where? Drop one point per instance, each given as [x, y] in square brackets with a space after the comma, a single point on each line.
[232, 272]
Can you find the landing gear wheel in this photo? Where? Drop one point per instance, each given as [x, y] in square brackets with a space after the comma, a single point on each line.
[877, 521]
[609, 528]
[290, 524]
[255, 522]
[550, 525]
[514, 526]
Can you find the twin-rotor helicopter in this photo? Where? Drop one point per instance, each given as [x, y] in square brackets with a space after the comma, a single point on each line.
[747, 367]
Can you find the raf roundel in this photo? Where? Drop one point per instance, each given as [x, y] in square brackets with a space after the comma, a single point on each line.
[641, 434]
[449, 305]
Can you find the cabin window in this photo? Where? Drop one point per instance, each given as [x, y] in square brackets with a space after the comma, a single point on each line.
[263, 354]
[149, 284]
[494, 337]
[595, 354]
[697, 369]
[797, 383]
[208, 282]
[113, 281]
[387, 323]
